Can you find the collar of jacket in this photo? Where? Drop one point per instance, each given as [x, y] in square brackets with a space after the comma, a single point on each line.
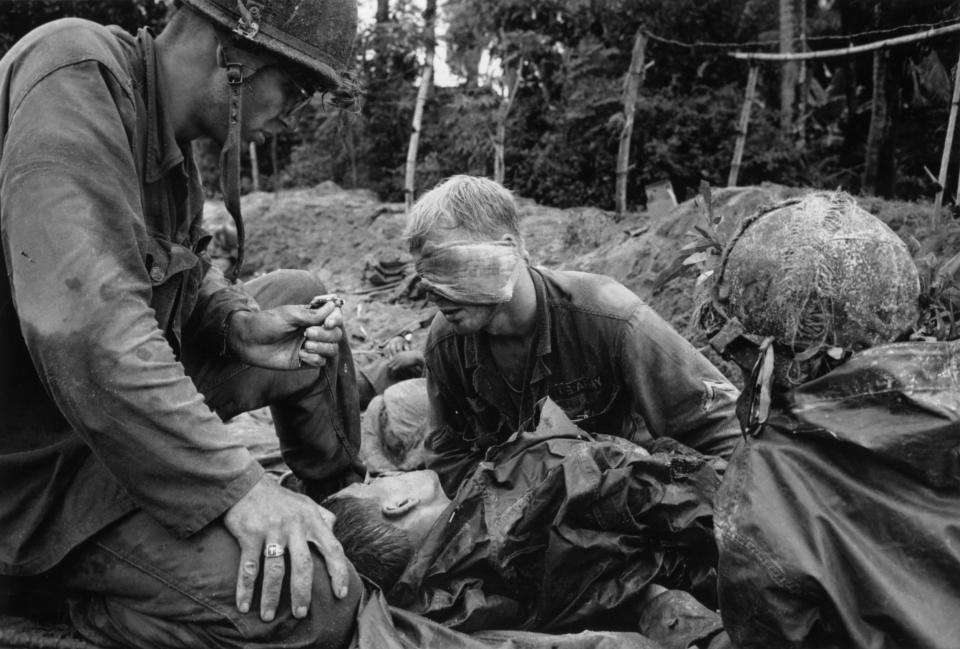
[163, 150]
[472, 346]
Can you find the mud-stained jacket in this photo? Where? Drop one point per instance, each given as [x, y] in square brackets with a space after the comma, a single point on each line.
[100, 213]
[558, 530]
[600, 353]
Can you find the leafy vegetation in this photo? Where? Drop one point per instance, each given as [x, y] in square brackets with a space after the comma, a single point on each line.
[562, 64]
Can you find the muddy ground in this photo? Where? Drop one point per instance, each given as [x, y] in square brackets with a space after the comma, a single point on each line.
[334, 232]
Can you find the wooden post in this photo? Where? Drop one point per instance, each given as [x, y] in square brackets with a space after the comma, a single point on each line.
[254, 167]
[511, 79]
[426, 78]
[947, 147]
[788, 71]
[274, 167]
[850, 50]
[742, 126]
[631, 87]
[878, 121]
[801, 121]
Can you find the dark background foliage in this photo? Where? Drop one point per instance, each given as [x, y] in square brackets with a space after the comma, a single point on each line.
[563, 127]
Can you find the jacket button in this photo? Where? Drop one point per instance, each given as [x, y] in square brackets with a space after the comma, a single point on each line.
[156, 274]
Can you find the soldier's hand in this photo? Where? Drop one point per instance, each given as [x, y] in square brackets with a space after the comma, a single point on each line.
[286, 337]
[270, 523]
[395, 345]
[403, 360]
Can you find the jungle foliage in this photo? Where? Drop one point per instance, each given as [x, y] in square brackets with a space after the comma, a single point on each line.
[568, 59]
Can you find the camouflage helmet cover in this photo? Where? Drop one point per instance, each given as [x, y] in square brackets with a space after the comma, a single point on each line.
[316, 34]
[819, 271]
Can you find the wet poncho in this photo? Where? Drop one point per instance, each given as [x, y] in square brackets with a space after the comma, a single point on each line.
[559, 530]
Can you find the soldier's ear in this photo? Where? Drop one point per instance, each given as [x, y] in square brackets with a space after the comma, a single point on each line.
[399, 506]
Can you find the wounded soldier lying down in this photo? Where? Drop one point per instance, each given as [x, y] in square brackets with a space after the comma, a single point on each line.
[556, 531]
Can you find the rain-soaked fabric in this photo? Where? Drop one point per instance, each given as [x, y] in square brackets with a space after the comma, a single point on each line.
[560, 530]
[381, 626]
[106, 294]
[837, 524]
[180, 594]
[470, 272]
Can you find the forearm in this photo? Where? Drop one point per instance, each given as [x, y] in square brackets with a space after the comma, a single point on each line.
[677, 391]
[72, 235]
[218, 304]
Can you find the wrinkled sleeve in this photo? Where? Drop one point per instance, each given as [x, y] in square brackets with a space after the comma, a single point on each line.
[448, 453]
[217, 300]
[71, 216]
[677, 391]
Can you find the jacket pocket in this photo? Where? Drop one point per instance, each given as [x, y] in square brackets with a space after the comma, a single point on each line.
[172, 270]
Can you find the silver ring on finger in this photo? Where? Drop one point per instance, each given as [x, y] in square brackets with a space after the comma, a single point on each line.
[273, 550]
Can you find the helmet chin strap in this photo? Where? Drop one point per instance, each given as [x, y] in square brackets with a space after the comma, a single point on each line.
[230, 158]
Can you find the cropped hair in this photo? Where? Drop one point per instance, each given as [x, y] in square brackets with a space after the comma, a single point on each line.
[379, 550]
[483, 208]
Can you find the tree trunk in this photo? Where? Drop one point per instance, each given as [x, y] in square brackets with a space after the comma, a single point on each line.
[254, 167]
[878, 119]
[274, 167]
[631, 88]
[471, 66]
[804, 80]
[743, 125]
[788, 71]
[348, 135]
[511, 80]
[947, 146]
[383, 11]
[426, 78]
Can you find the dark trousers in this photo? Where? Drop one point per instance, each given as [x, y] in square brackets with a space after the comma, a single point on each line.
[136, 585]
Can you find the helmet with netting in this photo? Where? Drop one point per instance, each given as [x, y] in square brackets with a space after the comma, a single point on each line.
[315, 34]
[819, 272]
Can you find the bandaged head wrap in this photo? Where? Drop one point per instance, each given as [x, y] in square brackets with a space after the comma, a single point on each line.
[471, 272]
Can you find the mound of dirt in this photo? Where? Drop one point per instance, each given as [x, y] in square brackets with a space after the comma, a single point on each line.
[333, 231]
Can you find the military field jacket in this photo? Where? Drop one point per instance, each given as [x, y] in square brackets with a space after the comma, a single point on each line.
[602, 354]
[100, 211]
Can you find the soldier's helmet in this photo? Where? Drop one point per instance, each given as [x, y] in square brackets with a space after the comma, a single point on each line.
[819, 272]
[315, 34]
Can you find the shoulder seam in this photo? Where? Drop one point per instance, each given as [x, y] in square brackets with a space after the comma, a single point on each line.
[601, 313]
[443, 338]
[31, 83]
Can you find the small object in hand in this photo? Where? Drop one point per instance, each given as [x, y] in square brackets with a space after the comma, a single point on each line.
[273, 550]
[320, 300]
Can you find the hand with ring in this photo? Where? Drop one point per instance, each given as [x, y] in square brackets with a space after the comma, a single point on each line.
[270, 522]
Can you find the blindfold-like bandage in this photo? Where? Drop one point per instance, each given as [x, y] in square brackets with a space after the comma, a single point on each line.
[468, 272]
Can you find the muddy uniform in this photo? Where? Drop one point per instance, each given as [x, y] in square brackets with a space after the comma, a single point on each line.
[111, 354]
[605, 357]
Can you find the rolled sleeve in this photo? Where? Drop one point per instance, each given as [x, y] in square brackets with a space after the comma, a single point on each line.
[677, 391]
[217, 300]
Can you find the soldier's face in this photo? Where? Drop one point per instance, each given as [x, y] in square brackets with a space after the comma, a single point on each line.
[411, 500]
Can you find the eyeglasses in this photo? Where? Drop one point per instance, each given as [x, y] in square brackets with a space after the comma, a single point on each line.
[300, 84]
[298, 90]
